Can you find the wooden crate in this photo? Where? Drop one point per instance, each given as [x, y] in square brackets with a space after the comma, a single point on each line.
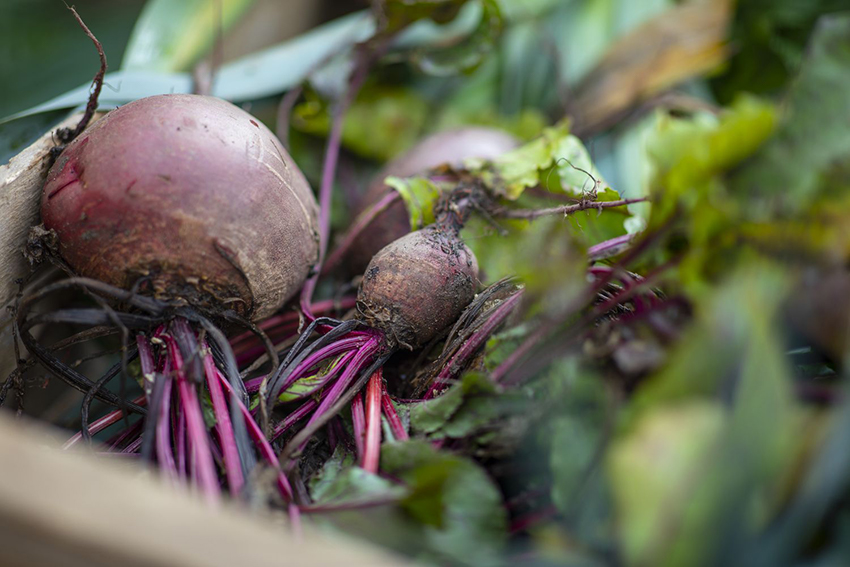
[72, 508]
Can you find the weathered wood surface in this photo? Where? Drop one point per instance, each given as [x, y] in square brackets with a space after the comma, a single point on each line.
[78, 510]
[21, 181]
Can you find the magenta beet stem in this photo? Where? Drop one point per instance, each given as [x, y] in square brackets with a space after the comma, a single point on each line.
[259, 439]
[396, 426]
[181, 440]
[134, 446]
[285, 319]
[293, 418]
[102, 423]
[358, 421]
[164, 453]
[362, 357]
[333, 349]
[196, 432]
[372, 446]
[223, 426]
[474, 342]
[610, 247]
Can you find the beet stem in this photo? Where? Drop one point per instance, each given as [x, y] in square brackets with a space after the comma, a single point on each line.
[290, 318]
[97, 83]
[231, 371]
[338, 366]
[99, 425]
[92, 392]
[128, 433]
[293, 418]
[164, 451]
[358, 77]
[583, 205]
[320, 419]
[299, 352]
[331, 350]
[224, 427]
[358, 421]
[196, 432]
[474, 342]
[284, 114]
[372, 449]
[610, 247]
[396, 426]
[334, 393]
[260, 440]
[134, 446]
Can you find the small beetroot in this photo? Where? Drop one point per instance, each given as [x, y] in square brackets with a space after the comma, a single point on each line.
[418, 285]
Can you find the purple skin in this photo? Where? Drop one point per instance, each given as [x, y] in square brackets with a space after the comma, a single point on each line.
[418, 285]
[192, 192]
[450, 147]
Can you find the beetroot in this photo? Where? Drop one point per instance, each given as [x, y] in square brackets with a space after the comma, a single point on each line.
[190, 192]
[418, 285]
[448, 147]
[189, 199]
[413, 289]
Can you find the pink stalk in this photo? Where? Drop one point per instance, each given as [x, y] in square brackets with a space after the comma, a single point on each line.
[259, 439]
[196, 435]
[102, 423]
[295, 521]
[372, 448]
[358, 77]
[252, 386]
[285, 320]
[396, 426]
[224, 427]
[327, 378]
[147, 362]
[333, 349]
[134, 446]
[122, 436]
[196, 430]
[363, 355]
[474, 342]
[164, 454]
[293, 418]
[181, 443]
[358, 421]
[610, 247]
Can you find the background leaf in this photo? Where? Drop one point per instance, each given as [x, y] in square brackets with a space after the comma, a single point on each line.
[811, 152]
[172, 36]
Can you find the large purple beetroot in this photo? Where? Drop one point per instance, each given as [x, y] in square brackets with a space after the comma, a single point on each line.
[192, 193]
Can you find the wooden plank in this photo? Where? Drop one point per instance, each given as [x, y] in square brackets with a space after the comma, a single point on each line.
[78, 510]
[21, 181]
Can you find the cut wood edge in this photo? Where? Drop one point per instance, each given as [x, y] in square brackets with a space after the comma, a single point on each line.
[77, 509]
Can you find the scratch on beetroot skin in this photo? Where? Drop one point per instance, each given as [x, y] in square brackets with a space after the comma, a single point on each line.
[130, 186]
[56, 191]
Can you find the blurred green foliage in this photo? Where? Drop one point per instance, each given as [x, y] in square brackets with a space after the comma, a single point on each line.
[44, 53]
